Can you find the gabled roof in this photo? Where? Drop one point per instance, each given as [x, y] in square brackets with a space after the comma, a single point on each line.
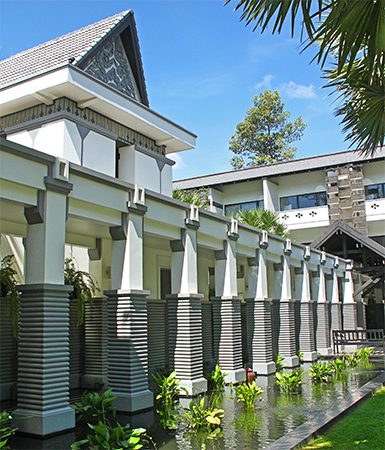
[369, 243]
[75, 48]
[318, 162]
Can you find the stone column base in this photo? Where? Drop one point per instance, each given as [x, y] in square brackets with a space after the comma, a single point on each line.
[266, 368]
[235, 376]
[328, 351]
[44, 423]
[291, 361]
[137, 401]
[193, 387]
[310, 356]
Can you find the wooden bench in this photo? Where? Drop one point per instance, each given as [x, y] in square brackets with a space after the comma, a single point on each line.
[358, 337]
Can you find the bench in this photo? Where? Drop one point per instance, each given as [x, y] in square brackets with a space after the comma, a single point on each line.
[358, 337]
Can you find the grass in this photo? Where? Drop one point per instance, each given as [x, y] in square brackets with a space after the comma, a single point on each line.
[363, 429]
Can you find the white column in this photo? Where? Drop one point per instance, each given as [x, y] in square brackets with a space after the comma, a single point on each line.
[127, 316]
[336, 313]
[286, 341]
[323, 322]
[227, 310]
[349, 303]
[259, 306]
[307, 331]
[43, 369]
[185, 311]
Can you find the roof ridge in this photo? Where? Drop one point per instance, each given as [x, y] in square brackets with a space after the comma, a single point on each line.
[120, 15]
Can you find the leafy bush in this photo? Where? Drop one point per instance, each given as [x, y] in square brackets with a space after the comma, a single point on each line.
[289, 382]
[94, 408]
[201, 418]
[300, 356]
[168, 389]
[363, 354]
[321, 372]
[279, 359]
[338, 365]
[216, 379]
[84, 285]
[352, 360]
[248, 393]
[110, 437]
[6, 429]
[8, 283]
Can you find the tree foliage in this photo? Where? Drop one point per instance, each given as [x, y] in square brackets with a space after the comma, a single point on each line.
[349, 34]
[265, 135]
[197, 197]
[264, 220]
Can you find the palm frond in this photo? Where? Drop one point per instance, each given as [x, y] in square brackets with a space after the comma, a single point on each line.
[264, 220]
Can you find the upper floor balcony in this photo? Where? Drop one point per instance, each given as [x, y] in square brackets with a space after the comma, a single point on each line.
[317, 216]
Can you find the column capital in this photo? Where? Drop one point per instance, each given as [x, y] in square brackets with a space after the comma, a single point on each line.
[58, 185]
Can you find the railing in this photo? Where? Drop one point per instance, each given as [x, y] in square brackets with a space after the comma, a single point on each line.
[346, 337]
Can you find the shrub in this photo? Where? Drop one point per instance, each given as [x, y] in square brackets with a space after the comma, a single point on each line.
[94, 408]
[352, 360]
[110, 437]
[168, 389]
[279, 359]
[8, 283]
[289, 382]
[248, 393]
[300, 356]
[216, 379]
[201, 418]
[321, 372]
[338, 365]
[6, 430]
[363, 354]
[84, 286]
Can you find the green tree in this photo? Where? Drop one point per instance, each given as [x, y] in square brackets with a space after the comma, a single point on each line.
[265, 135]
[350, 37]
[264, 220]
[197, 197]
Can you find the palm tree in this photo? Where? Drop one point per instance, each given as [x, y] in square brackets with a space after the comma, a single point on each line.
[264, 220]
[351, 35]
[198, 197]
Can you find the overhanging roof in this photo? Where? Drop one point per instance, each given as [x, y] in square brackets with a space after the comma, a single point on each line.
[278, 169]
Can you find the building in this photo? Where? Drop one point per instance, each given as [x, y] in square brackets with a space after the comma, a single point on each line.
[335, 202]
[85, 171]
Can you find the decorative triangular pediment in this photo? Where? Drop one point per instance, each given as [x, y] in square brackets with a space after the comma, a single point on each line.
[110, 64]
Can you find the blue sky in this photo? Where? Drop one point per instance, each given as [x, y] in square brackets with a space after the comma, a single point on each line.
[202, 68]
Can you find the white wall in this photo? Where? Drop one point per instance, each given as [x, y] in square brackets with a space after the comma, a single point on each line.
[374, 172]
[302, 183]
[99, 153]
[242, 192]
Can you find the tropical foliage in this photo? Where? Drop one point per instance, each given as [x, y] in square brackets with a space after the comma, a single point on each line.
[8, 283]
[289, 382]
[204, 418]
[350, 36]
[265, 135]
[279, 360]
[216, 379]
[197, 197]
[263, 219]
[6, 429]
[321, 372]
[248, 394]
[108, 437]
[167, 389]
[84, 286]
[94, 407]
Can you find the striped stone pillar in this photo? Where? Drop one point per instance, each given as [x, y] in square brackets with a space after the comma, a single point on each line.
[336, 313]
[323, 322]
[127, 316]
[307, 330]
[349, 304]
[43, 359]
[286, 340]
[227, 310]
[185, 310]
[259, 313]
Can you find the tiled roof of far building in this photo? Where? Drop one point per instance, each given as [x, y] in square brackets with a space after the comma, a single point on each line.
[69, 48]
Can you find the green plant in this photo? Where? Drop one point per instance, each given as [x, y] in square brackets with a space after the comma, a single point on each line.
[321, 372]
[84, 286]
[108, 437]
[248, 393]
[363, 354]
[263, 219]
[289, 382]
[338, 365]
[248, 422]
[352, 360]
[300, 356]
[6, 429]
[279, 360]
[216, 379]
[167, 389]
[94, 407]
[201, 418]
[8, 283]
[197, 197]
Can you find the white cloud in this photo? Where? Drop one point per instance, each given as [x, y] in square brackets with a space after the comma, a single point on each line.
[179, 163]
[265, 83]
[294, 90]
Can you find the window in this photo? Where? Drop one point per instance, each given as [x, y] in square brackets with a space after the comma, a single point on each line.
[232, 210]
[374, 191]
[303, 201]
